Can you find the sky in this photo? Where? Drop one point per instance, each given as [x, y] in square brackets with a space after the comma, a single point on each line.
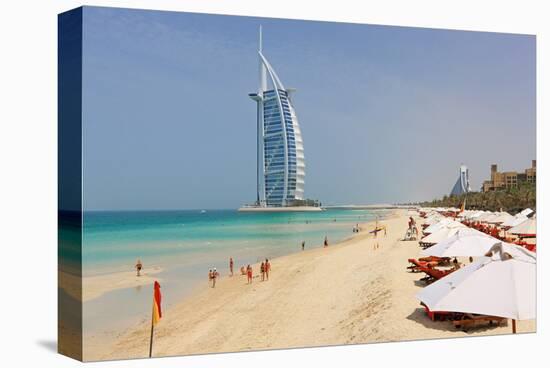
[387, 113]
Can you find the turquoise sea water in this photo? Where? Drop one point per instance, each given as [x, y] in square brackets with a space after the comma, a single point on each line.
[186, 244]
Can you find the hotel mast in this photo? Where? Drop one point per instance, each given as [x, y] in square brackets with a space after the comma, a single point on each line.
[280, 166]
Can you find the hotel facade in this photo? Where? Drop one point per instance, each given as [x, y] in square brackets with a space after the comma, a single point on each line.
[280, 149]
[509, 179]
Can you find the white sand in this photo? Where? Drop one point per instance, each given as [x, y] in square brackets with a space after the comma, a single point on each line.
[95, 286]
[344, 294]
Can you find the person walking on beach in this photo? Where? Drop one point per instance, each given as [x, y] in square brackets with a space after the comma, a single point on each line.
[210, 277]
[262, 271]
[231, 266]
[303, 244]
[325, 244]
[215, 275]
[267, 268]
[248, 274]
[139, 266]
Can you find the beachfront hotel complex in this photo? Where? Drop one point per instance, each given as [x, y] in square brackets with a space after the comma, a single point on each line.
[280, 166]
[510, 179]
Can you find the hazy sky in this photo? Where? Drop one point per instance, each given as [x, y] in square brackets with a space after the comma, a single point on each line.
[387, 113]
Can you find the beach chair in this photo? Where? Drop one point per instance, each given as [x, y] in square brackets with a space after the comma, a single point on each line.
[441, 261]
[439, 316]
[531, 247]
[415, 265]
[433, 274]
[469, 320]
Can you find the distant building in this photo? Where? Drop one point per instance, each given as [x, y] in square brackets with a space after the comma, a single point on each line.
[509, 179]
[462, 184]
[281, 165]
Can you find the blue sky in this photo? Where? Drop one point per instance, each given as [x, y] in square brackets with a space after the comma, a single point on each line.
[387, 113]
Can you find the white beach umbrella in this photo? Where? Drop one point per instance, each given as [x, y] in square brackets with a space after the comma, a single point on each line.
[526, 212]
[475, 214]
[440, 235]
[465, 242]
[527, 227]
[437, 225]
[496, 286]
[500, 218]
[451, 224]
[483, 217]
[430, 220]
[514, 221]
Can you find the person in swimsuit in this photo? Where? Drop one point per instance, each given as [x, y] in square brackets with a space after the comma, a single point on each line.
[262, 271]
[214, 277]
[249, 274]
[139, 266]
[325, 244]
[210, 276]
[231, 266]
[303, 244]
[267, 268]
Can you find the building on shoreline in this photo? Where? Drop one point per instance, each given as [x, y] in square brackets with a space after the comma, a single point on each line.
[462, 184]
[280, 150]
[509, 179]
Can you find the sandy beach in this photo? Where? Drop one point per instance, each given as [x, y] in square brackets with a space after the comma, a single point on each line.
[95, 286]
[349, 293]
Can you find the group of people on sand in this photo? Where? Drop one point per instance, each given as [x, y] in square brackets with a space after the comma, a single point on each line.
[265, 268]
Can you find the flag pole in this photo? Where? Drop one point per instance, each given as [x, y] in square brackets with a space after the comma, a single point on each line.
[152, 330]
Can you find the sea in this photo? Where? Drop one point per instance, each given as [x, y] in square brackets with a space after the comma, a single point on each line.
[186, 244]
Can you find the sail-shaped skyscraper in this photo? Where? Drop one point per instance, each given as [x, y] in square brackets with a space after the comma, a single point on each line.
[462, 184]
[281, 166]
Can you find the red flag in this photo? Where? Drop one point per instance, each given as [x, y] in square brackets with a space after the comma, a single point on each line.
[157, 310]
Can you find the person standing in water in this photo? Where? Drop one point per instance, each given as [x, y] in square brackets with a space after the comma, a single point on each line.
[325, 244]
[231, 266]
[303, 244]
[139, 266]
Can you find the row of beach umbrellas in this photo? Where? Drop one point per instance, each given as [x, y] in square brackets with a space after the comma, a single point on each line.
[501, 281]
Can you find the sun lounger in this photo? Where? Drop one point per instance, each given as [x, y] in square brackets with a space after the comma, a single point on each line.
[532, 247]
[472, 320]
[441, 261]
[438, 316]
[415, 265]
[431, 261]
[433, 274]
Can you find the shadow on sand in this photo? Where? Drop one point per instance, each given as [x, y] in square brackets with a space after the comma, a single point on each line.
[419, 316]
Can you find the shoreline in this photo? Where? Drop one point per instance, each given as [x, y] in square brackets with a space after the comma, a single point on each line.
[348, 293]
[201, 287]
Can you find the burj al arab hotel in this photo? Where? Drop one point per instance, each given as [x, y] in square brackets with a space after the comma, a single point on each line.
[281, 166]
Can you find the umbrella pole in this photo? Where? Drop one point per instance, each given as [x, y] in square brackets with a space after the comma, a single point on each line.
[513, 326]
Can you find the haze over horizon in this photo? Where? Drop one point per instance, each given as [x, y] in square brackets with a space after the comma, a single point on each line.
[388, 114]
